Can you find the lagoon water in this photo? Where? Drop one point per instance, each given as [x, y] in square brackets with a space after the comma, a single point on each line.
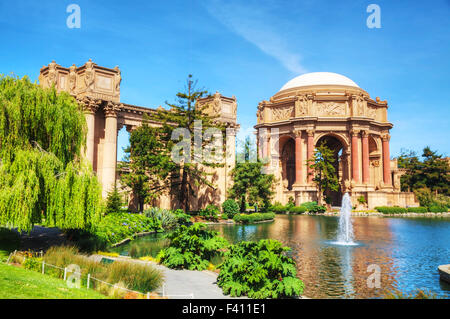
[406, 250]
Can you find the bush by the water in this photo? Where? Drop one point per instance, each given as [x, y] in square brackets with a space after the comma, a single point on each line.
[313, 207]
[417, 210]
[259, 270]
[278, 208]
[192, 247]
[211, 212]
[230, 208]
[391, 210]
[118, 226]
[438, 209]
[297, 209]
[402, 210]
[169, 219]
[254, 217]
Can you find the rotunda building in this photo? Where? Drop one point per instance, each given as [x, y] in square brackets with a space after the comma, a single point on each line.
[325, 107]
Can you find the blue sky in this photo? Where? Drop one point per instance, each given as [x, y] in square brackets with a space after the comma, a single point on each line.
[249, 49]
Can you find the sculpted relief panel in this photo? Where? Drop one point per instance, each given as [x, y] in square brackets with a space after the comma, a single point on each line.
[331, 108]
[372, 112]
[282, 113]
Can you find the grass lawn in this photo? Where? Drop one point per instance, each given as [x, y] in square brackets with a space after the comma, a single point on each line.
[19, 283]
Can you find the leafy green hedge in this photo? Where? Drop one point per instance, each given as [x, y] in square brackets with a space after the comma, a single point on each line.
[391, 210]
[278, 209]
[259, 270]
[417, 209]
[251, 218]
[438, 209]
[297, 210]
[401, 210]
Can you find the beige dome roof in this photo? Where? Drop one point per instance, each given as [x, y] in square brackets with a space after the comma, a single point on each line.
[318, 78]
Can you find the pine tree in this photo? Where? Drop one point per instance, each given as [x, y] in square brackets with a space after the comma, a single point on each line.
[325, 176]
[250, 184]
[181, 178]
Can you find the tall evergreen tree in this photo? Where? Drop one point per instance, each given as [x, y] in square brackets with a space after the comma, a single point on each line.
[431, 172]
[153, 157]
[250, 183]
[147, 164]
[325, 176]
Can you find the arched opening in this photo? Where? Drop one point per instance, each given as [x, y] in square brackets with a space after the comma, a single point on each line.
[339, 164]
[288, 162]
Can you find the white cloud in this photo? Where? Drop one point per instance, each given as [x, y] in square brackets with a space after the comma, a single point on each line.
[256, 25]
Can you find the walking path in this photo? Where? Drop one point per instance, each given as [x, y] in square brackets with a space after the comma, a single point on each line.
[181, 284]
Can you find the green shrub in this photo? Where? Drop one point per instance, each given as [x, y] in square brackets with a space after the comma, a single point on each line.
[438, 209]
[313, 207]
[230, 208]
[254, 217]
[167, 218]
[277, 208]
[259, 270]
[182, 217]
[113, 202]
[361, 199]
[417, 209]
[32, 264]
[118, 226]
[297, 209]
[224, 216]
[391, 210]
[211, 212]
[192, 247]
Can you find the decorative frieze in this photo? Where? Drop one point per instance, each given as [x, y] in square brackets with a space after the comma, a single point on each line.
[331, 108]
[282, 113]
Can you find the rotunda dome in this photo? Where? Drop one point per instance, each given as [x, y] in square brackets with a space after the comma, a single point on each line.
[318, 78]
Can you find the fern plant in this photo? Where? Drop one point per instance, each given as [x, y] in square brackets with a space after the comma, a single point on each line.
[259, 270]
[192, 247]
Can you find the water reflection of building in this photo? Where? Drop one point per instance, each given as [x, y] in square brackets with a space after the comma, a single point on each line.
[333, 271]
[330, 271]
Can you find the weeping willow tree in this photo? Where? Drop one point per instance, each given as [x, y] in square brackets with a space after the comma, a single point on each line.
[43, 178]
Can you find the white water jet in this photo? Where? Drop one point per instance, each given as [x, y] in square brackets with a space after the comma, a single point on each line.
[345, 232]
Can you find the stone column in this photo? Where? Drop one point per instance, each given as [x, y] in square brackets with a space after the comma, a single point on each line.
[310, 153]
[386, 160]
[355, 166]
[365, 157]
[267, 152]
[230, 158]
[110, 148]
[90, 106]
[298, 157]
